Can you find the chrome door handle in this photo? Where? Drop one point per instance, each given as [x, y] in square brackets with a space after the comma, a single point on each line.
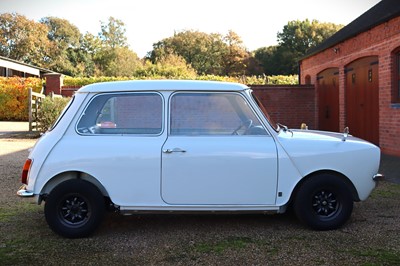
[173, 150]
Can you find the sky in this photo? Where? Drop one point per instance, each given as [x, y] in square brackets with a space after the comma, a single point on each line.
[257, 22]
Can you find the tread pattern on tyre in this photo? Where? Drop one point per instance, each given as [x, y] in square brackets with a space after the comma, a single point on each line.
[304, 197]
[87, 191]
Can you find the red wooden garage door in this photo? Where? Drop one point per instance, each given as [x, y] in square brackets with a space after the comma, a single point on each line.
[328, 99]
[362, 99]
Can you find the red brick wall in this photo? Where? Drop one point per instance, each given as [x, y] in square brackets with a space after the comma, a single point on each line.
[289, 105]
[54, 83]
[68, 91]
[379, 41]
[139, 111]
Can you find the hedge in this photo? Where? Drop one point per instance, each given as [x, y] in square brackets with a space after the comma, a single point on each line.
[14, 97]
[248, 80]
[14, 90]
[49, 111]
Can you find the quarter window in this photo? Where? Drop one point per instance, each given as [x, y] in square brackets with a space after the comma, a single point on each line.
[213, 114]
[133, 113]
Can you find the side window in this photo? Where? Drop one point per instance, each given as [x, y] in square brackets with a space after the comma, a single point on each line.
[212, 114]
[130, 113]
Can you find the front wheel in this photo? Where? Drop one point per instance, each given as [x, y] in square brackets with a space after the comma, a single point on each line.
[323, 202]
[74, 208]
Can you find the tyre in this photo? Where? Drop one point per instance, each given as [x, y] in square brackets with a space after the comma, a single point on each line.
[323, 202]
[74, 208]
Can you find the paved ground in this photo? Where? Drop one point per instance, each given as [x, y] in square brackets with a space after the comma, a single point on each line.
[16, 130]
[390, 165]
[7, 127]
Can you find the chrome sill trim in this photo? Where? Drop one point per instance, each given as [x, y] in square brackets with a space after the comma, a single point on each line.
[200, 209]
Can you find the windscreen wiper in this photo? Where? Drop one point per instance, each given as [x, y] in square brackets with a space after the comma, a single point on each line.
[284, 128]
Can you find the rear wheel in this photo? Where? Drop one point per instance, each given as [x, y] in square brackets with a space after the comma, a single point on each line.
[323, 202]
[74, 208]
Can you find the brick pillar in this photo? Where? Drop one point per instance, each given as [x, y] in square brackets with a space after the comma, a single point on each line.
[342, 99]
[54, 82]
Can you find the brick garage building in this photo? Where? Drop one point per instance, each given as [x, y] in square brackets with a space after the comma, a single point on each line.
[356, 74]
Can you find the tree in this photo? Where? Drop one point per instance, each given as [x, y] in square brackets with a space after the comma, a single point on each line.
[299, 36]
[235, 55]
[267, 56]
[253, 66]
[62, 31]
[113, 57]
[199, 49]
[85, 56]
[294, 41]
[169, 66]
[206, 53]
[302, 35]
[119, 62]
[23, 39]
[90, 44]
[113, 33]
[64, 40]
[57, 44]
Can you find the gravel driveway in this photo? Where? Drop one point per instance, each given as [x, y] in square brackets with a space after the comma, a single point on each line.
[371, 236]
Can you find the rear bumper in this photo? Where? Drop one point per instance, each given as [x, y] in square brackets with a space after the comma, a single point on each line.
[22, 192]
[378, 177]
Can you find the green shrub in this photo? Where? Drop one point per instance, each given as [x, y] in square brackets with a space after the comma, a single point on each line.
[283, 80]
[69, 81]
[158, 72]
[14, 97]
[50, 109]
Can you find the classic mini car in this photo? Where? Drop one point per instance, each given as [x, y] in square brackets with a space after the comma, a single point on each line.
[190, 146]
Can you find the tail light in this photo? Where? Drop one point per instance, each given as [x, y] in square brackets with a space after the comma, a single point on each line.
[25, 170]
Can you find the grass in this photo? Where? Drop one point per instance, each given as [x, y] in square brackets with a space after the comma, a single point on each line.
[25, 238]
[10, 212]
[13, 243]
[386, 191]
[233, 243]
[379, 256]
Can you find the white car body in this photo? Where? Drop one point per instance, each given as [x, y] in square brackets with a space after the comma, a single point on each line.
[192, 171]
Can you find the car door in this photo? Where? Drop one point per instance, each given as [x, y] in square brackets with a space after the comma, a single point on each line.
[119, 142]
[217, 152]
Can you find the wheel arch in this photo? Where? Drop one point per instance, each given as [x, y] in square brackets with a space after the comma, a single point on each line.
[344, 178]
[61, 177]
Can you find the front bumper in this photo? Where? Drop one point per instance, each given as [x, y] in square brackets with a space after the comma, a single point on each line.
[378, 177]
[22, 192]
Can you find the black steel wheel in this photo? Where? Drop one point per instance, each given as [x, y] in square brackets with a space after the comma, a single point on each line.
[323, 202]
[74, 208]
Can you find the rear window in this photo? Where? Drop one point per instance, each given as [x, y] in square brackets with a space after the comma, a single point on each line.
[126, 113]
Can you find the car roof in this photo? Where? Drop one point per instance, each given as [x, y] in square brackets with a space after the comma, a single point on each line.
[162, 85]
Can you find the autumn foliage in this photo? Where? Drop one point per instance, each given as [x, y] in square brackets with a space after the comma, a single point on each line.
[14, 97]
